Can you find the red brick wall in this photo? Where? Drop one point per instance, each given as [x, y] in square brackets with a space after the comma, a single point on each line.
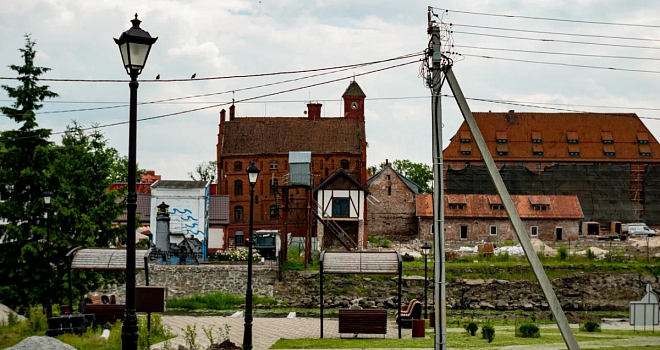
[393, 213]
[479, 229]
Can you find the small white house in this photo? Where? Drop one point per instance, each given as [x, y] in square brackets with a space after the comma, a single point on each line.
[188, 208]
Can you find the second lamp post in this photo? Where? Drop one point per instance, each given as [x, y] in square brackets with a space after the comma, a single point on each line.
[253, 174]
[49, 300]
[426, 248]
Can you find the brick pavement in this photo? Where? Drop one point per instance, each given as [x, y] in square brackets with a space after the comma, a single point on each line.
[265, 331]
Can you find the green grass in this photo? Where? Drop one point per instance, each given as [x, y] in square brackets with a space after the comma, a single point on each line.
[648, 347]
[455, 340]
[215, 301]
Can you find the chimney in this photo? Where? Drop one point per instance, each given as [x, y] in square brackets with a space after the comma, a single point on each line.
[387, 162]
[314, 111]
[232, 112]
[512, 117]
[223, 113]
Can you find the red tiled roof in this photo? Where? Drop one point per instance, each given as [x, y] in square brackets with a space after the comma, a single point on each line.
[590, 129]
[424, 204]
[558, 207]
[139, 188]
[281, 135]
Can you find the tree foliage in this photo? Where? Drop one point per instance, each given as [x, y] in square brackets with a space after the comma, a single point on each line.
[205, 171]
[82, 209]
[419, 173]
[119, 169]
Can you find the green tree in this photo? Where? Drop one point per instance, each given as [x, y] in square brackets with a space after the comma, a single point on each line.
[419, 173]
[25, 174]
[205, 171]
[119, 168]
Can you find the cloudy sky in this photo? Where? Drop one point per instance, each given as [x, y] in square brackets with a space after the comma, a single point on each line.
[230, 37]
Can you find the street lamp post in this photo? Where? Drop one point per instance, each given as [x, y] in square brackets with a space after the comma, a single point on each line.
[49, 300]
[253, 173]
[426, 248]
[134, 46]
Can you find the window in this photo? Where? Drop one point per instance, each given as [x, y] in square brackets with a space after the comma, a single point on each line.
[497, 206]
[466, 149]
[573, 150]
[559, 232]
[502, 150]
[502, 137]
[238, 187]
[273, 211]
[465, 137]
[273, 165]
[537, 150]
[607, 137]
[540, 207]
[493, 230]
[536, 137]
[464, 232]
[645, 150]
[239, 237]
[388, 177]
[238, 212]
[273, 186]
[345, 164]
[534, 231]
[457, 206]
[609, 151]
[238, 166]
[389, 191]
[572, 137]
[642, 138]
[340, 207]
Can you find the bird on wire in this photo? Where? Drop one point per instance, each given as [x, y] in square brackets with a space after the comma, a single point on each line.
[193, 76]
[158, 77]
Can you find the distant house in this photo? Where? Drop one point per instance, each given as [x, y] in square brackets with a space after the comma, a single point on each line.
[392, 205]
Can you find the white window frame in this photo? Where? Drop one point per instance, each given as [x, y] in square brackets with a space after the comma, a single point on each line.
[531, 231]
[490, 230]
[273, 165]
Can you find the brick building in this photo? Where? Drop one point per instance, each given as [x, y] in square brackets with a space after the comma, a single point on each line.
[475, 217]
[335, 142]
[392, 206]
[603, 158]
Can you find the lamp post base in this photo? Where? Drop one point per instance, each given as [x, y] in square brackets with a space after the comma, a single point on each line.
[129, 331]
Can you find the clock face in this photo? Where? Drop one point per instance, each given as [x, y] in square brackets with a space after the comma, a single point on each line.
[354, 105]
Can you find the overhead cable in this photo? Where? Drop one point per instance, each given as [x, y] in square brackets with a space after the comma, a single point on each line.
[559, 53]
[553, 33]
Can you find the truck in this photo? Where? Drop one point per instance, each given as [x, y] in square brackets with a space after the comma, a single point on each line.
[267, 243]
[638, 229]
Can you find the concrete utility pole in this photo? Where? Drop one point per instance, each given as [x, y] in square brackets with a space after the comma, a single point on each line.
[439, 295]
[525, 241]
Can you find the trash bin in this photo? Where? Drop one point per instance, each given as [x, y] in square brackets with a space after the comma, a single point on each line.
[419, 328]
[431, 319]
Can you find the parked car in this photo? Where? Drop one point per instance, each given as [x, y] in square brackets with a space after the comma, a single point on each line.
[638, 229]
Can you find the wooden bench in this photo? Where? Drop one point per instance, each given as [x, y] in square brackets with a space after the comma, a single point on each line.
[363, 321]
[106, 313]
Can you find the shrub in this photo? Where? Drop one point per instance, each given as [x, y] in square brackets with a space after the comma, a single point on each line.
[591, 326]
[37, 321]
[488, 332]
[237, 255]
[190, 336]
[503, 257]
[12, 319]
[472, 328]
[508, 243]
[528, 330]
[590, 254]
[562, 253]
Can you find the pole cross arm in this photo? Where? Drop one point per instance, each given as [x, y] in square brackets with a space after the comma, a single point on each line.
[525, 241]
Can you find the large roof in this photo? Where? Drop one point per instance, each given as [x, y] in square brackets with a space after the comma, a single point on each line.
[591, 134]
[410, 183]
[281, 135]
[143, 210]
[481, 206]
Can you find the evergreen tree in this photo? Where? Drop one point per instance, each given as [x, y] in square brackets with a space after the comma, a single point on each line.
[24, 174]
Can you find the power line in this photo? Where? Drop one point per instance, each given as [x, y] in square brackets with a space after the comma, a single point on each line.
[560, 53]
[227, 76]
[563, 64]
[238, 101]
[557, 40]
[553, 33]
[550, 19]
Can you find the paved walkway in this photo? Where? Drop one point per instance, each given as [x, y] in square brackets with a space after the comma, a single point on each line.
[265, 331]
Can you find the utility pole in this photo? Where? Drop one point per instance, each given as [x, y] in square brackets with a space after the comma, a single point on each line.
[439, 293]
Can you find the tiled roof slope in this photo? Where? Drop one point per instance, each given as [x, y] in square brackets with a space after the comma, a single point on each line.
[555, 129]
[281, 135]
[354, 89]
[479, 206]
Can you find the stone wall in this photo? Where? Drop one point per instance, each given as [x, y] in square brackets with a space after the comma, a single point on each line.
[479, 229]
[393, 213]
[594, 291]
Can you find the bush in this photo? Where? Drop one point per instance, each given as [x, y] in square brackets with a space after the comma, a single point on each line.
[503, 257]
[380, 241]
[37, 321]
[508, 243]
[562, 253]
[591, 327]
[472, 328]
[488, 332]
[216, 301]
[528, 330]
[590, 254]
[237, 255]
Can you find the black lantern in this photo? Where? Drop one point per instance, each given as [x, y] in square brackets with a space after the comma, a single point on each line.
[426, 248]
[134, 46]
[253, 173]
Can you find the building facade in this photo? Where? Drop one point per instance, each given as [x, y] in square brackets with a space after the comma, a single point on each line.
[334, 143]
[392, 205]
[603, 158]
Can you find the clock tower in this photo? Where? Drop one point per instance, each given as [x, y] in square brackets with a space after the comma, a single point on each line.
[354, 102]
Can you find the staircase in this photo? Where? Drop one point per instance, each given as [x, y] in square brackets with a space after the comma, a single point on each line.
[333, 227]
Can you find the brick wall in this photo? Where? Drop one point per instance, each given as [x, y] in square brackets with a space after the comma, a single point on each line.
[392, 213]
[479, 229]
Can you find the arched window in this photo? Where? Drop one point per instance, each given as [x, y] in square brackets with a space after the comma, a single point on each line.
[238, 212]
[273, 165]
[238, 187]
[239, 237]
[345, 164]
[273, 211]
[238, 166]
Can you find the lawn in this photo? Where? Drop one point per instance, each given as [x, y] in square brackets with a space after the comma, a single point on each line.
[455, 340]
[215, 301]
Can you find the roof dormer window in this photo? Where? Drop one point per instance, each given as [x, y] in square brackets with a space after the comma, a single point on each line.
[502, 149]
[574, 150]
[645, 150]
[502, 137]
[609, 150]
[537, 150]
[607, 137]
[465, 136]
[642, 138]
[466, 149]
[536, 137]
[572, 137]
